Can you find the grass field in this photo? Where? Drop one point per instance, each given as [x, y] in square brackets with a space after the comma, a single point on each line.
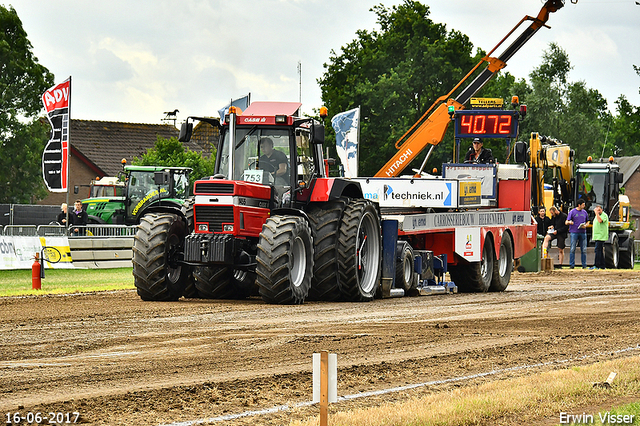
[527, 400]
[59, 281]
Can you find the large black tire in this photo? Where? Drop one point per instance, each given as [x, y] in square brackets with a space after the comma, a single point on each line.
[190, 291]
[475, 277]
[406, 278]
[158, 240]
[503, 266]
[325, 220]
[627, 258]
[612, 253]
[214, 282]
[284, 260]
[221, 282]
[359, 252]
[245, 282]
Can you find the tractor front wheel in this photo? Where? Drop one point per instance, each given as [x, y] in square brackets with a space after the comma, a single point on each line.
[284, 260]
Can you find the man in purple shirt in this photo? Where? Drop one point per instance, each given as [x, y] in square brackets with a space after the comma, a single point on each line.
[577, 221]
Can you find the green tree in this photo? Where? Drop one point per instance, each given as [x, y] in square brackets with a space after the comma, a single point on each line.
[22, 134]
[395, 74]
[568, 111]
[170, 152]
[625, 128]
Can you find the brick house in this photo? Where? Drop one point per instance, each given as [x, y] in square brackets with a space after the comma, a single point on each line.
[630, 167]
[97, 148]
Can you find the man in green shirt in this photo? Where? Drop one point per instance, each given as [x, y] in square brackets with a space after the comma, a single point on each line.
[600, 234]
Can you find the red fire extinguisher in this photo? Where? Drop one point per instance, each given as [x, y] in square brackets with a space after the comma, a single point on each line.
[36, 280]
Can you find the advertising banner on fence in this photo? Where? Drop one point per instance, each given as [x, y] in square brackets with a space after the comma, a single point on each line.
[62, 245]
[56, 153]
[19, 252]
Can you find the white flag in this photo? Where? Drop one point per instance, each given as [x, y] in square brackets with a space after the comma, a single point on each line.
[346, 125]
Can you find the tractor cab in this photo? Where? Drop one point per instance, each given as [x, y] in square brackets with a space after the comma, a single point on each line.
[148, 185]
[599, 183]
[268, 144]
[124, 199]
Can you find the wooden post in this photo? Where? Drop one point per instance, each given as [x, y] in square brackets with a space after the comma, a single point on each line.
[324, 388]
[547, 264]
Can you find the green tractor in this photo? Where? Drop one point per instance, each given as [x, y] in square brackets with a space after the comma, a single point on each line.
[136, 191]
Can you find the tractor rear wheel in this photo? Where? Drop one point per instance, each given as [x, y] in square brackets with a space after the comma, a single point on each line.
[215, 282]
[325, 220]
[628, 257]
[612, 253]
[156, 247]
[222, 282]
[284, 260]
[359, 252]
[475, 277]
[503, 266]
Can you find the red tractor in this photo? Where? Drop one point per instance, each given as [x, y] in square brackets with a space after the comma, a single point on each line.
[270, 221]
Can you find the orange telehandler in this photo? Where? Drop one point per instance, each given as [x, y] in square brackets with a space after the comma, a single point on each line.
[431, 127]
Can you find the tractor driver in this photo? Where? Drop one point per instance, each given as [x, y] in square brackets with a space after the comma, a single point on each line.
[478, 154]
[274, 161]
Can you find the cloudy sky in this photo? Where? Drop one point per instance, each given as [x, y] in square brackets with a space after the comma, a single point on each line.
[131, 60]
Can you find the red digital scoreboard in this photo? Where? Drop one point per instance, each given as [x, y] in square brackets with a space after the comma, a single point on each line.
[486, 124]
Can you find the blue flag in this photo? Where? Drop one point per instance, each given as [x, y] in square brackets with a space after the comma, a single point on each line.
[346, 125]
[241, 103]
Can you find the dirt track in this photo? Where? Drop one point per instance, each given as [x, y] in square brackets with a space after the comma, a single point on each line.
[120, 361]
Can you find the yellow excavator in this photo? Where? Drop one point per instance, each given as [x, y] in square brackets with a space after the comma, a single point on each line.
[593, 182]
[431, 127]
[550, 154]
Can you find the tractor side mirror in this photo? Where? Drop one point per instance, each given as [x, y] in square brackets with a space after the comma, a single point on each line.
[618, 177]
[317, 133]
[520, 152]
[185, 132]
[161, 178]
[76, 189]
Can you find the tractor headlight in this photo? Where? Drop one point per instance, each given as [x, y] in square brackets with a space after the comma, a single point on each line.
[227, 228]
[204, 227]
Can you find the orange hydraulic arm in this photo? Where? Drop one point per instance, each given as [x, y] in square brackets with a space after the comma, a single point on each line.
[431, 127]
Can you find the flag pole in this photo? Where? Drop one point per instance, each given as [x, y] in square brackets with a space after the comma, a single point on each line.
[68, 156]
[358, 144]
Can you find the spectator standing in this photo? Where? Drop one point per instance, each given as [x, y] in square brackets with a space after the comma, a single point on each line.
[577, 219]
[62, 216]
[78, 218]
[600, 234]
[557, 231]
[543, 221]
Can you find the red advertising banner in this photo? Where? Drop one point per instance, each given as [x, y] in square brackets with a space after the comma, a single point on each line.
[56, 153]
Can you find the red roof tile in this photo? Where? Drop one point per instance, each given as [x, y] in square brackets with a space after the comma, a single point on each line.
[106, 143]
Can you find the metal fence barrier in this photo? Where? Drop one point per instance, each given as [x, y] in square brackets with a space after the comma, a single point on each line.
[52, 231]
[61, 231]
[637, 247]
[21, 231]
[103, 231]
